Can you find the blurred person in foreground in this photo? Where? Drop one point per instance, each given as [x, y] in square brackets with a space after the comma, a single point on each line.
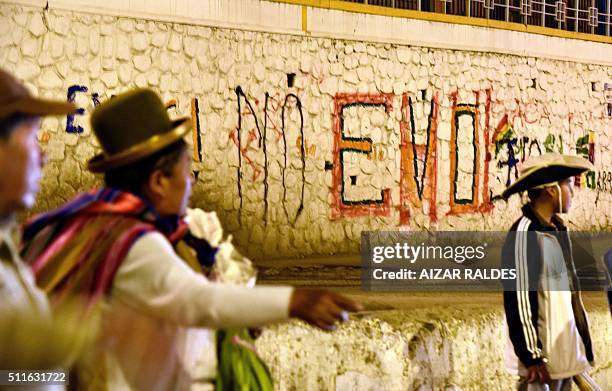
[30, 336]
[118, 245]
[548, 344]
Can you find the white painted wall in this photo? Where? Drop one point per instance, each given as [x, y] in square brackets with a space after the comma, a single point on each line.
[263, 15]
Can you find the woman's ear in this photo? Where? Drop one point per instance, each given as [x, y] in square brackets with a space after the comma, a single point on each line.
[156, 186]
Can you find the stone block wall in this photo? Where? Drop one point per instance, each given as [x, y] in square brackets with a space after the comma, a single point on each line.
[300, 142]
[422, 348]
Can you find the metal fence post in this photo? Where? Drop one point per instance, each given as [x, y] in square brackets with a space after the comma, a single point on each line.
[576, 15]
[507, 17]
[608, 12]
[589, 18]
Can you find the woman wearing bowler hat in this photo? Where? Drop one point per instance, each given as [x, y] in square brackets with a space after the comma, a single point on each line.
[116, 245]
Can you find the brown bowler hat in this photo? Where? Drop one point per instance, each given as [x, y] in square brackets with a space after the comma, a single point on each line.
[15, 98]
[132, 126]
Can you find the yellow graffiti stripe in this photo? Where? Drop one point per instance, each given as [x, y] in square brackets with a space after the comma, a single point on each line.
[365, 146]
[505, 130]
[170, 103]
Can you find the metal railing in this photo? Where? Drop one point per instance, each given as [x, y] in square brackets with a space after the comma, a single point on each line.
[585, 16]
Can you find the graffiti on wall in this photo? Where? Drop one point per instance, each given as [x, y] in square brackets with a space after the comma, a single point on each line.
[343, 145]
[465, 118]
[71, 126]
[196, 135]
[608, 97]
[477, 143]
[245, 134]
[418, 162]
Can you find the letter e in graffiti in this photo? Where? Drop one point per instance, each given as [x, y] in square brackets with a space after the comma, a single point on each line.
[341, 207]
[71, 127]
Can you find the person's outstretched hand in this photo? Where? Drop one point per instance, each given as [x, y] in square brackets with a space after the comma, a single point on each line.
[321, 308]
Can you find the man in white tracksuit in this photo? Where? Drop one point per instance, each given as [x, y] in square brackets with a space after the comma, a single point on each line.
[117, 248]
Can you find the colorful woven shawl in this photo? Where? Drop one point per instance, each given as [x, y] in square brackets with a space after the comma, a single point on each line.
[77, 249]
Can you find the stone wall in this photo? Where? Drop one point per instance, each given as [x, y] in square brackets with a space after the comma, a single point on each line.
[428, 345]
[300, 142]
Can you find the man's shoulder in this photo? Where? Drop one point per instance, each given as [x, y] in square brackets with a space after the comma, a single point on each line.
[524, 223]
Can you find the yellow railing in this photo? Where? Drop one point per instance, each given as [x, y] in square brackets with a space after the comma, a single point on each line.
[579, 19]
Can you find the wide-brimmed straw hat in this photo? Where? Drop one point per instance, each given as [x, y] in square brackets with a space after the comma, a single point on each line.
[132, 126]
[15, 98]
[546, 170]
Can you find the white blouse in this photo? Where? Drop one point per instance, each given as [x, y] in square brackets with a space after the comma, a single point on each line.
[155, 280]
